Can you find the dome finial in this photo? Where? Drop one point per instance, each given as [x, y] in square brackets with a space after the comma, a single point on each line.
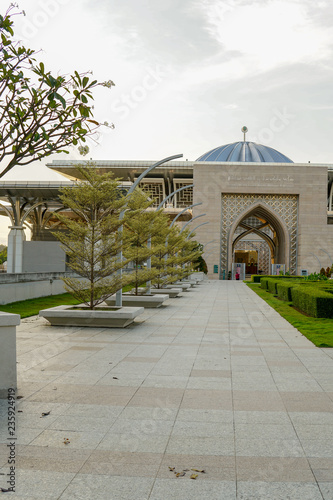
[245, 130]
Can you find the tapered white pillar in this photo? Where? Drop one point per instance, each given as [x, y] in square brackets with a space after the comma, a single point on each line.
[16, 238]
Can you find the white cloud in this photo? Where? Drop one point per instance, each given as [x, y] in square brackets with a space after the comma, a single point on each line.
[268, 34]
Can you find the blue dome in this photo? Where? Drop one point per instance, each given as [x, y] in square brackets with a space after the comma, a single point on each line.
[245, 151]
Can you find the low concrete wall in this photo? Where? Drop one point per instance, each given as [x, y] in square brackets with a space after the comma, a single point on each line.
[24, 277]
[8, 378]
[14, 287]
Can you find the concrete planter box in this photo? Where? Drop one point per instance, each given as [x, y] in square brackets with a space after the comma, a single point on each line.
[8, 379]
[187, 282]
[171, 292]
[139, 300]
[183, 286]
[73, 316]
[199, 276]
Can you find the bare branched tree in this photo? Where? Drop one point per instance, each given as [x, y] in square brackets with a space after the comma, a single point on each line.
[40, 114]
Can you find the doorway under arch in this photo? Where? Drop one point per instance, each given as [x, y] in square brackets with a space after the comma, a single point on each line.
[259, 227]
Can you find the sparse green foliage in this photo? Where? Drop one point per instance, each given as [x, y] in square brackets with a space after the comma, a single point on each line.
[93, 242]
[175, 260]
[40, 114]
[143, 222]
[3, 255]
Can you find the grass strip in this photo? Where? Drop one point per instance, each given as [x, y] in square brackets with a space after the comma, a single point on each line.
[318, 330]
[31, 307]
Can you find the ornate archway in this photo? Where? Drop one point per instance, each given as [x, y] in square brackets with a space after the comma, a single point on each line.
[276, 217]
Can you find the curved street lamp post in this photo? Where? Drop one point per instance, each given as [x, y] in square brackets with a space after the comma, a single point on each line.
[121, 216]
[148, 287]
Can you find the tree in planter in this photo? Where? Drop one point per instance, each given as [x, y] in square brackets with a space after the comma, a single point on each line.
[184, 253]
[190, 254]
[92, 241]
[141, 226]
[162, 243]
[40, 114]
[168, 259]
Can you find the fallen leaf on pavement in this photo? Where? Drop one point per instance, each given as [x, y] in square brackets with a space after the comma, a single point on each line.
[194, 476]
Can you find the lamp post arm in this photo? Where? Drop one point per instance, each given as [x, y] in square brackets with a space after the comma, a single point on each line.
[172, 194]
[180, 213]
[149, 169]
[197, 228]
[121, 216]
[209, 242]
[189, 222]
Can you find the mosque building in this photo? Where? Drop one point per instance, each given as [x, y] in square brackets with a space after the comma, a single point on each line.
[253, 209]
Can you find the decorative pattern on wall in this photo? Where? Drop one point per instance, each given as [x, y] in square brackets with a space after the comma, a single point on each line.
[286, 206]
[155, 189]
[185, 197]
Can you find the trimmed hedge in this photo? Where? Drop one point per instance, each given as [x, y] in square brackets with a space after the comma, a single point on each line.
[271, 286]
[264, 283]
[314, 301]
[284, 290]
[256, 278]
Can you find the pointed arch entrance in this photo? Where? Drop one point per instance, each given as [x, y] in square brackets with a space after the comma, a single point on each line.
[250, 223]
[260, 225]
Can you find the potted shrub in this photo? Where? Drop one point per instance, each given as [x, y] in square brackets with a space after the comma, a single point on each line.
[92, 244]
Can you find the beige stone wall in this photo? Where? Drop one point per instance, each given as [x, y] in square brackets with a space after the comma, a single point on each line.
[308, 181]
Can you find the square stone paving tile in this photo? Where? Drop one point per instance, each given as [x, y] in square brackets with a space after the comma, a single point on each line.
[206, 383]
[204, 415]
[277, 491]
[257, 401]
[187, 489]
[122, 464]
[211, 373]
[81, 440]
[197, 445]
[100, 487]
[142, 427]
[160, 397]
[311, 418]
[149, 413]
[135, 442]
[318, 447]
[265, 431]
[307, 401]
[273, 469]
[314, 431]
[210, 399]
[279, 447]
[41, 484]
[166, 381]
[326, 489]
[93, 411]
[261, 417]
[82, 423]
[202, 429]
[43, 458]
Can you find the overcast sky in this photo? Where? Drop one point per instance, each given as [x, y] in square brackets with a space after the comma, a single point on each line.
[190, 73]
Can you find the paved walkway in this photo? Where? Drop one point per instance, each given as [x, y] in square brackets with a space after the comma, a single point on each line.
[214, 381]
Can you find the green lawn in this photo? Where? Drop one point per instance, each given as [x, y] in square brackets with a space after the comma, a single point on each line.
[31, 307]
[318, 330]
